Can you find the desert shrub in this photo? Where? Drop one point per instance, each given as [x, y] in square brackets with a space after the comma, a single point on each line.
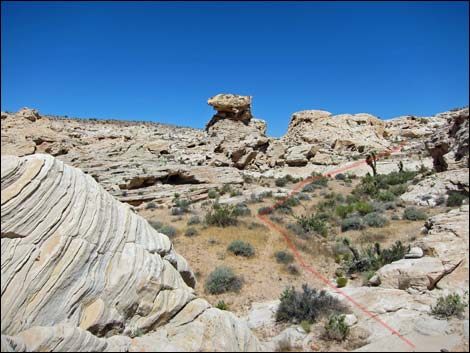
[336, 327]
[283, 257]
[352, 223]
[221, 305]
[247, 178]
[303, 197]
[344, 210]
[319, 179]
[306, 326]
[363, 208]
[395, 217]
[235, 193]
[298, 230]
[448, 306]
[399, 189]
[386, 196]
[168, 230]
[280, 182]
[455, 199]
[265, 194]
[151, 205]
[183, 204]
[341, 282]
[373, 257]
[413, 214]
[340, 176]
[350, 199]
[190, 232]
[389, 205]
[226, 189]
[194, 220]
[309, 187]
[265, 210]
[212, 194]
[177, 211]
[241, 209]
[293, 270]
[156, 225]
[313, 223]
[396, 252]
[221, 215]
[375, 220]
[241, 248]
[286, 205]
[308, 304]
[222, 280]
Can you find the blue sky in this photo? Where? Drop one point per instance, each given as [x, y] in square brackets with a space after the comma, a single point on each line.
[161, 61]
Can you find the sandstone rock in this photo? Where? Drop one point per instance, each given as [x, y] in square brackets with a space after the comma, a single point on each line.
[30, 114]
[415, 253]
[263, 314]
[79, 267]
[434, 189]
[299, 155]
[453, 137]
[230, 106]
[345, 132]
[350, 319]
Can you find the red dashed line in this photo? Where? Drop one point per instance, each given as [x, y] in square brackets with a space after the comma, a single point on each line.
[325, 280]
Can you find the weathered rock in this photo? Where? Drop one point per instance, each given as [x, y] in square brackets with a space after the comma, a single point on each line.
[435, 188]
[415, 253]
[345, 132]
[78, 266]
[230, 106]
[30, 114]
[449, 145]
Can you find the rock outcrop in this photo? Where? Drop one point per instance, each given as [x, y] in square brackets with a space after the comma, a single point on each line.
[448, 146]
[230, 106]
[339, 133]
[78, 266]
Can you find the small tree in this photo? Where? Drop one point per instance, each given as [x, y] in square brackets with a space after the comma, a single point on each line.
[371, 161]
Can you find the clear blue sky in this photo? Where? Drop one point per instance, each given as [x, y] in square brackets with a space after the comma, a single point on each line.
[161, 61]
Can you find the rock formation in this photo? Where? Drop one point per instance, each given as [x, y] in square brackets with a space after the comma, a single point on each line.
[82, 271]
[449, 145]
[230, 106]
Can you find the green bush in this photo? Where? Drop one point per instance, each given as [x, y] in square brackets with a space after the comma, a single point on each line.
[341, 282]
[241, 209]
[308, 304]
[194, 220]
[373, 257]
[286, 205]
[352, 223]
[241, 248]
[156, 225]
[265, 210]
[455, 199]
[222, 216]
[448, 306]
[386, 196]
[222, 280]
[313, 223]
[344, 210]
[183, 204]
[303, 197]
[151, 205]
[336, 327]
[283, 257]
[363, 208]
[168, 230]
[280, 182]
[212, 194]
[190, 232]
[375, 220]
[399, 189]
[413, 214]
[306, 326]
[319, 179]
[221, 305]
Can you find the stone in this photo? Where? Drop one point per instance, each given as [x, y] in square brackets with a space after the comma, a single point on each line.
[350, 319]
[414, 253]
[262, 314]
[230, 106]
[93, 272]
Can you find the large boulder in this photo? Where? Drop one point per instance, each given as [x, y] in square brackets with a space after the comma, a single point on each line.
[341, 133]
[78, 266]
[230, 106]
[449, 146]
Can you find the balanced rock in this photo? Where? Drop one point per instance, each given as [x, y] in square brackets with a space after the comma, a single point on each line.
[230, 106]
